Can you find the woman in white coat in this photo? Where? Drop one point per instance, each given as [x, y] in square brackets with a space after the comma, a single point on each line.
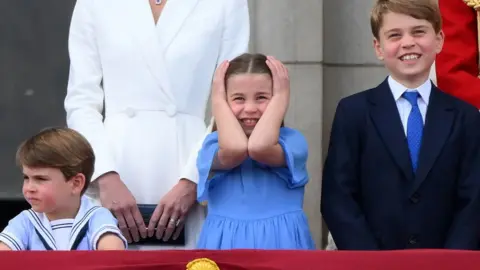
[147, 65]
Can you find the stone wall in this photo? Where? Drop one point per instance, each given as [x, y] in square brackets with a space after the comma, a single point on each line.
[327, 46]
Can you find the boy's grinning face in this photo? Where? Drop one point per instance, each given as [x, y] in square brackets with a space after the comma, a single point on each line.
[408, 47]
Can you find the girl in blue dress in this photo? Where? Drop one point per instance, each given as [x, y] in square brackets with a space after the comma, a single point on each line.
[252, 169]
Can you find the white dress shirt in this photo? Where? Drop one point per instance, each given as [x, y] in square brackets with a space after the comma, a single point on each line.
[404, 107]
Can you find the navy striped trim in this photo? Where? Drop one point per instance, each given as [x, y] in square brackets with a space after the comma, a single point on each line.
[40, 225]
[10, 240]
[66, 226]
[79, 238]
[63, 224]
[79, 224]
[45, 244]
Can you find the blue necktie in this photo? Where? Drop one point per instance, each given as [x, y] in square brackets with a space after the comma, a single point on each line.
[414, 128]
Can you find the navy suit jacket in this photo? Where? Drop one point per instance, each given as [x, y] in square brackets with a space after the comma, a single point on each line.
[372, 200]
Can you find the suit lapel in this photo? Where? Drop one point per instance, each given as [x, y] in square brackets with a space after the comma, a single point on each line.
[138, 22]
[150, 40]
[385, 116]
[171, 21]
[438, 124]
[169, 24]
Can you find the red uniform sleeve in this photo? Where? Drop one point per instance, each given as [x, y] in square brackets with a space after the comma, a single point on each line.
[457, 64]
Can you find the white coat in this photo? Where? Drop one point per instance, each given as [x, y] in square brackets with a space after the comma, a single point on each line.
[152, 81]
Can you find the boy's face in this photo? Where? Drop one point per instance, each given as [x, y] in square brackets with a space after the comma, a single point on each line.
[47, 191]
[248, 96]
[408, 47]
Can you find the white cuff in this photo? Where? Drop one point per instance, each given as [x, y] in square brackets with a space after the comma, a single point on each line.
[107, 229]
[11, 241]
[190, 170]
[104, 163]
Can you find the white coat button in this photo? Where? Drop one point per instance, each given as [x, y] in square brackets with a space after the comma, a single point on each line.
[171, 110]
[130, 112]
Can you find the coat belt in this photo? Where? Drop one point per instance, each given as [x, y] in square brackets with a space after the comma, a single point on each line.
[171, 110]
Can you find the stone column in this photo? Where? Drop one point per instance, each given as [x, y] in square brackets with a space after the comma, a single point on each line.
[291, 30]
[350, 64]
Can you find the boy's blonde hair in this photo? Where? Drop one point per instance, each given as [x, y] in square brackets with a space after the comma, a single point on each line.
[419, 9]
[60, 148]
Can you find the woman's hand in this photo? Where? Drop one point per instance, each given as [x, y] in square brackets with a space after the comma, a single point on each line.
[169, 216]
[116, 197]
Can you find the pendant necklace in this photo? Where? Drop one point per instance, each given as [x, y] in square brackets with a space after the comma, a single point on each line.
[158, 2]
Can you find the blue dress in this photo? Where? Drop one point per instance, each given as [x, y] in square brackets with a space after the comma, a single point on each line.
[254, 206]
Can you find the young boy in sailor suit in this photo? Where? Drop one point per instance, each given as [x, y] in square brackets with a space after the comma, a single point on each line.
[57, 166]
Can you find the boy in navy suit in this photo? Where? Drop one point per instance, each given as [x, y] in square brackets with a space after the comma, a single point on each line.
[402, 169]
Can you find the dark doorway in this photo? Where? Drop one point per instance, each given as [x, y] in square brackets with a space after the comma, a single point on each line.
[9, 209]
[34, 67]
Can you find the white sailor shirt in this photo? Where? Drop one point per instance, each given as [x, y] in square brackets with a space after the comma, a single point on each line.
[31, 230]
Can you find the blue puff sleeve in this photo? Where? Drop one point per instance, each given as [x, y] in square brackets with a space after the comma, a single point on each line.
[16, 234]
[205, 159]
[102, 222]
[295, 149]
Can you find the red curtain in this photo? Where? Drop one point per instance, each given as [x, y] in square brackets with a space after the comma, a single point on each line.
[242, 260]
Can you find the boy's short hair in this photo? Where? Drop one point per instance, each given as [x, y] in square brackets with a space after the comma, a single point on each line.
[419, 9]
[61, 148]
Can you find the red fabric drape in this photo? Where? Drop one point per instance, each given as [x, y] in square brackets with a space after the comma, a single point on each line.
[457, 64]
[243, 260]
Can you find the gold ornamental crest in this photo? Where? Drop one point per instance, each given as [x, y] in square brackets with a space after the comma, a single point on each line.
[202, 264]
[475, 4]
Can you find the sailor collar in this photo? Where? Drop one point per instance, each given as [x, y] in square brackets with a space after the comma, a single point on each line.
[79, 229]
